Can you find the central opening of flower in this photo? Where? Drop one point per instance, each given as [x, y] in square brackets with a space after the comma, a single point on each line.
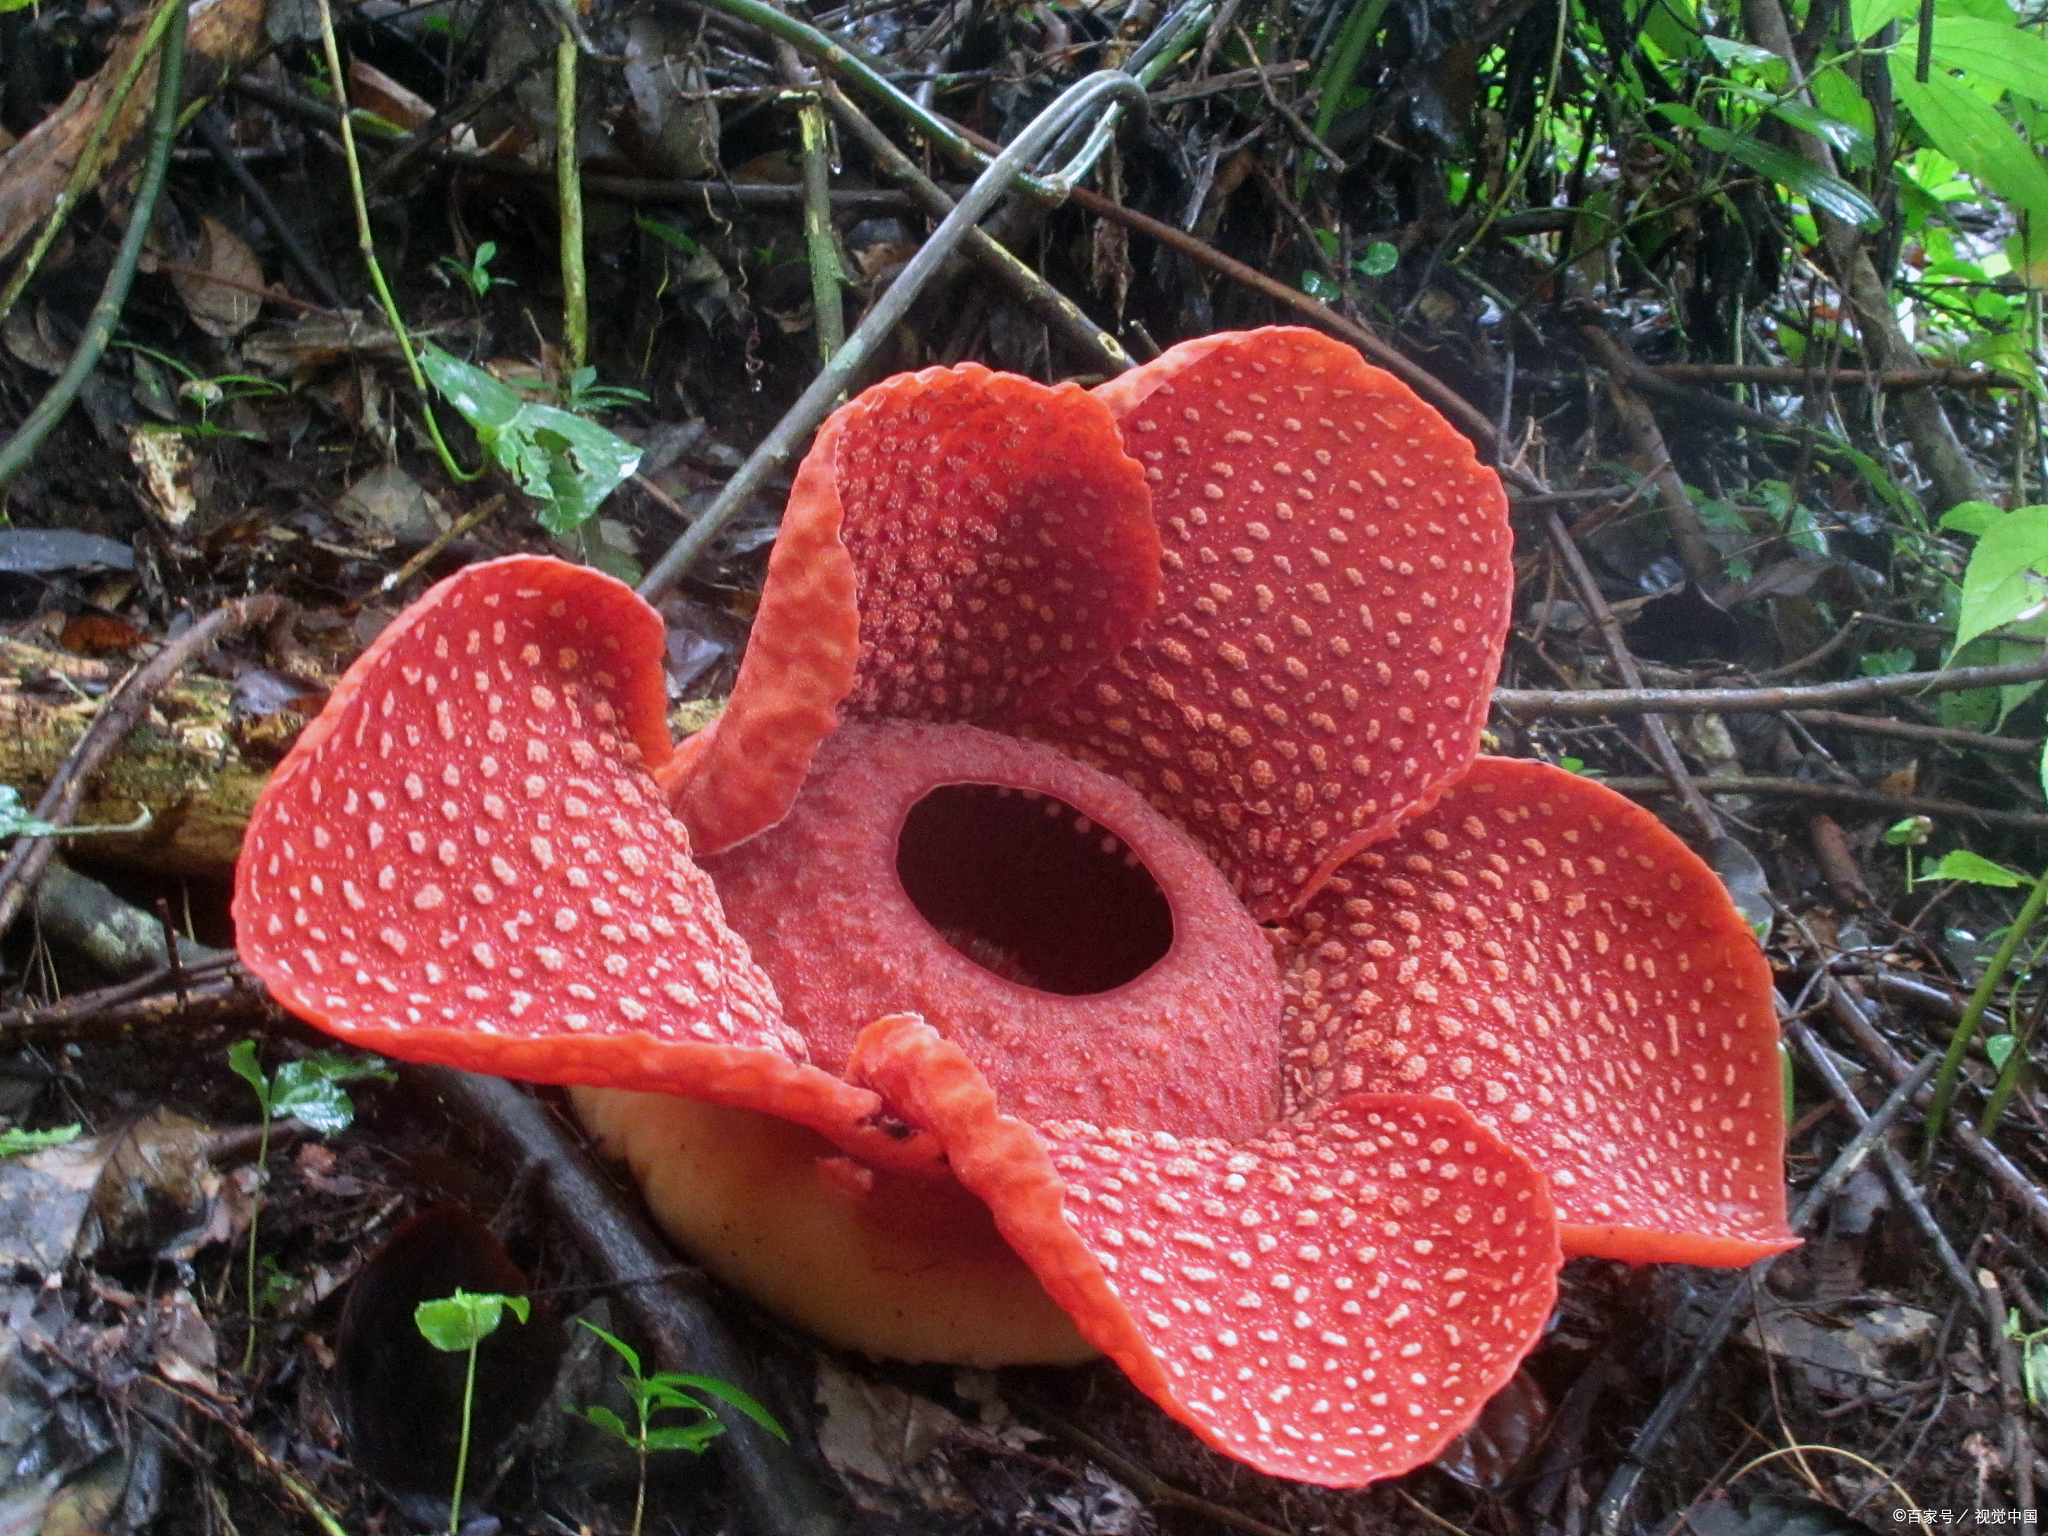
[1029, 888]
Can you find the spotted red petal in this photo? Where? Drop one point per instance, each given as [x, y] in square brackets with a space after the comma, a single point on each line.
[1333, 1301]
[960, 545]
[1337, 589]
[464, 860]
[1007, 893]
[1548, 954]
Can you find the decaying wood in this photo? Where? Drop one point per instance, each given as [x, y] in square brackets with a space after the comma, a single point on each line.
[183, 763]
[224, 35]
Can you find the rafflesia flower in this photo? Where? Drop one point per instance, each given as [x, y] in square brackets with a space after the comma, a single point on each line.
[1088, 924]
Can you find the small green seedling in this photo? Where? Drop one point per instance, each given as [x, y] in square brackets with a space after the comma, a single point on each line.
[476, 276]
[456, 1323]
[587, 397]
[2033, 1352]
[1909, 833]
[14, 1142]
[661, 1393]
[309, 1091]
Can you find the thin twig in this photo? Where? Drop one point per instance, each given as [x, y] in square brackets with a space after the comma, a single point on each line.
[1103, 89]
[1820, 379]
[99, 328]
[215, 137]
[569, 203]
[1909, 730]
[442, 540]
[1855, 690]
[120, 714]
[1767, 787]
[1047, 302]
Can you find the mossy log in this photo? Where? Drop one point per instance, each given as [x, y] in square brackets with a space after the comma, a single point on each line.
[195, 768]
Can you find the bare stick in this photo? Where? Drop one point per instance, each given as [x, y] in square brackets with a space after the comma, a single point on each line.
[1855, 690]
[1838, 378]
[1841, 794]
[1909, 730]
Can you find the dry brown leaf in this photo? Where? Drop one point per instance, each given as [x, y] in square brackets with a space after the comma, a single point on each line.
[1903, 781]
[216, 308]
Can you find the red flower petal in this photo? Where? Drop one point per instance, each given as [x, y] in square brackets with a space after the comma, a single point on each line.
[1549, 955]
[1333, 1301]
[1337, 587]
[959, 545]
[464, 861]
[1096, 1011]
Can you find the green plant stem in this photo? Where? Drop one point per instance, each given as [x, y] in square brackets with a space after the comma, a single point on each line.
[87, 170]
[640, 1493]
[2012, 1071]
[1946, 1076]
[99, 327]
[255, 1215]
[1359, 29]
[569, 193]
[367, 245]
[462, 1445]
[828, 309]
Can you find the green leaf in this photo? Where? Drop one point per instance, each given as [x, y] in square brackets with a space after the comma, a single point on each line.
[1825, 191]
[1379, 259]
[668, 235]
[1999, 1049]
[1317, 286]
[1845, 137]
[1868, 17]
[242, 1060]
[620, 1347]
[567, 464]
[1993, 53]
[1962, 864]
[464, 1320]
[684, 1437]
[726, 1392]
[1971, 517]
[2000, 583]
[607, 1421]
[1909, 832]
[1886, 663]
[14, 1142]
[1968, 129]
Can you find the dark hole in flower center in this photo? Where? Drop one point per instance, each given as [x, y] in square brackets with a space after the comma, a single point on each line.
[1026, 886]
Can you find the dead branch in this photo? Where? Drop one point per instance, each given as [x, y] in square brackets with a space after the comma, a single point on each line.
[1764, 786]
[1582, 702]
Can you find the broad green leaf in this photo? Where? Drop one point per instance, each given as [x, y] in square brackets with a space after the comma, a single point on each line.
[1379, 259]
[1731, 52]
[242, 1061]
[1993, 53]
[567, 464]
[1846, 138]
[1841, 98]
[466, 1319]
[1827, 192]
[1999, 1049]
[14, 1142]
[309, 1090]
[684, 1437]
[1909, 832]
[1968, 129]
[1961, 864]
[1971, 517]
[1317, 286]
[1867, 17]
[485, 403]
[2000, 583]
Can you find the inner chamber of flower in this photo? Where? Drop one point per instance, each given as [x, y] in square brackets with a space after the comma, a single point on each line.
[1038, 913]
